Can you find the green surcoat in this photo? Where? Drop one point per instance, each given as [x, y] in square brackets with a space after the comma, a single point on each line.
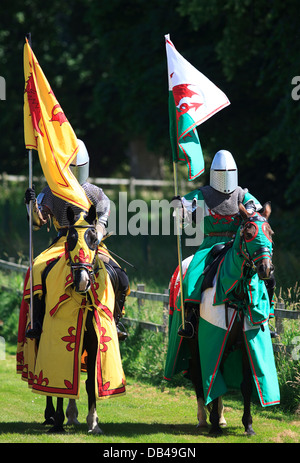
[212, 223]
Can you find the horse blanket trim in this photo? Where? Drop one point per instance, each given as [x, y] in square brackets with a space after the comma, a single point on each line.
[104, 388]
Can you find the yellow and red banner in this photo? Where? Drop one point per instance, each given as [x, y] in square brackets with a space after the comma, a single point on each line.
[47, 130]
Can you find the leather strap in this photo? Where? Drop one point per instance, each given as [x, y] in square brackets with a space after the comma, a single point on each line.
[228, 234]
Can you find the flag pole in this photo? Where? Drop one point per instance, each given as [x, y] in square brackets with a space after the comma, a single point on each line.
[28, 36]
[179, 249]
[30, 240]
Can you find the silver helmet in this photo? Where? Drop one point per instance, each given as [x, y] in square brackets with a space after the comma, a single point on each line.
[80, 165]
[223, 172]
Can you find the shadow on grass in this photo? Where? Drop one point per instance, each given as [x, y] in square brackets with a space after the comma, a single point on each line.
[119, 430]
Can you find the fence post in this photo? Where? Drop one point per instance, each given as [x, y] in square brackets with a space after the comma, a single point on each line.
[279, 325]
[132, 187]
[279, 321]
[140, 301]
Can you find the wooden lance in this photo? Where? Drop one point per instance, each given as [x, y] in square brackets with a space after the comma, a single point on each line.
[28, 36]
[178, 219]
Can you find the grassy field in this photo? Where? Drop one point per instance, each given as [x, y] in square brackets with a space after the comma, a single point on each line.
[146, 414]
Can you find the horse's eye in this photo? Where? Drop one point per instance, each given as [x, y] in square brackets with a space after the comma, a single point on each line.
[91, 239]
[72, 238]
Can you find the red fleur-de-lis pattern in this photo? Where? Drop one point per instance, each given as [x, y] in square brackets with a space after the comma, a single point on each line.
[70, 340]
[103, 340]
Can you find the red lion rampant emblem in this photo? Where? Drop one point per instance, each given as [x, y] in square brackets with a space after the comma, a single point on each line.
[34, 104]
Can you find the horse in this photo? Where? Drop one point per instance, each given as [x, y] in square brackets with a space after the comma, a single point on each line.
[250, 254]
[72, 410]
[86, 273]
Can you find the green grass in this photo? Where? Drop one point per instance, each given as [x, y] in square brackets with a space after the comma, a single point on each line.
[146, 414]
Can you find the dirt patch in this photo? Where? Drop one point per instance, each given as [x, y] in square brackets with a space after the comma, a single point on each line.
[286, 435]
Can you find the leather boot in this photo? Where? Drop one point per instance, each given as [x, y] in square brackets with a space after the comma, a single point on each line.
[35, 331]
[119, 304]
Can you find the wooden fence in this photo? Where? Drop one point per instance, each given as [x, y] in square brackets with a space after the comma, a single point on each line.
[131, 183]
[141, 295]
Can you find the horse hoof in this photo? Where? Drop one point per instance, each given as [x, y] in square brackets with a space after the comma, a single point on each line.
[216, 432]
[48, 421]
[202, 424]
[95, 430]
[56, 430]
[250, 432]
[72, 421]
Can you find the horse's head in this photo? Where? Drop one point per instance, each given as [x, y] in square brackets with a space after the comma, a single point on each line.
[256, 240]
[82, 245]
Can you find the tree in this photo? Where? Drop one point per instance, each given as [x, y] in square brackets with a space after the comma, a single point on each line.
[106, 64]
[256, 44]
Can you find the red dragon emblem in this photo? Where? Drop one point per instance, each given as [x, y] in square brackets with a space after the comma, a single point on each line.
[183, 91]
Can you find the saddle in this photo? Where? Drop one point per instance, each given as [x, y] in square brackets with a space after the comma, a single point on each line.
[217, 252]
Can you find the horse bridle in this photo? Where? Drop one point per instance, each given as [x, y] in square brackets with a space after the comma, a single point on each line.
[263, 249]
[89, 267]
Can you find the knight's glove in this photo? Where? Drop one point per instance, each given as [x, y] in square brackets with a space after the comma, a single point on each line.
[33, 206]
[29, 195]
[176, 202]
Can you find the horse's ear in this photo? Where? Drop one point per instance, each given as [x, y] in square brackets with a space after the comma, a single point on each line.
[70, 215]
[266, 210]
[243, 211]
[91, 215]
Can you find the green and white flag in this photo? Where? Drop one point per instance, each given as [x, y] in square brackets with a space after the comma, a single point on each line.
[192, 100]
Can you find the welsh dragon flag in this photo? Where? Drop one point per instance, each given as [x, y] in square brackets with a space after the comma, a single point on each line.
[47, 130]
[192, 100]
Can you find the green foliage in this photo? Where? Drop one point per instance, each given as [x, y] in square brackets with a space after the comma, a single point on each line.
[9, 314]
[289, 382]
[143, 355]
[255, 45]
[106, 64]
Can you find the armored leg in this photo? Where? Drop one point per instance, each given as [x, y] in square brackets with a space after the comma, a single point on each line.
[121, 287]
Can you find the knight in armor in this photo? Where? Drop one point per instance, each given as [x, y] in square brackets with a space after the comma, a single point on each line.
[47, 207]
[221, 220]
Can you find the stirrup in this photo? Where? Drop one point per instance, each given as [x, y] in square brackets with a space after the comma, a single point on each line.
[122, 334]
[34, 332]
[183, 332]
